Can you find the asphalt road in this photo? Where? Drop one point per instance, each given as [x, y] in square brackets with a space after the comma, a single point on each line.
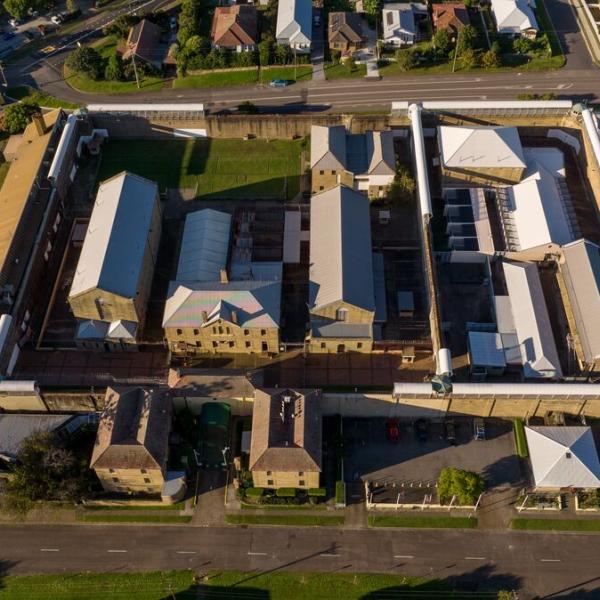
[546, 565]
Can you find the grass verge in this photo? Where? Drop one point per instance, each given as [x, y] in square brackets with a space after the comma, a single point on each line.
[104, 508]
[340, 71]
[555, 524]
[520, 438]
[284, 507]
[299, 73]
[300, 520]
[216, 79]
[28, 94]
[112, 518]
[430, 522]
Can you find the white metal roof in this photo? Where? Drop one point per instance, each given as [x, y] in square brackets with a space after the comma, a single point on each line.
[414, 111]
[492, 104]
[513, 16]
[147, 107]
[114, 247]
[122, 330]
[532, 323]
[486, 349]
[480, 147]
[204, 246]
[591, 128]
[294, 21]
[563, 457]
[341, 261]
[398, 21]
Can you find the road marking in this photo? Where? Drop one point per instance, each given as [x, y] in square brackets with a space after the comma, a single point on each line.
[49, 550]
[549, 559]
[116, 550]
[186, 552]
[257, 553]
[328, 554]
[474, 557]
[403, 556]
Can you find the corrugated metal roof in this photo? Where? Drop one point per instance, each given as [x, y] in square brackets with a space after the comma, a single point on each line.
[338, 329]
[204, 246]
[581, 273]
[517, 390]
[532, 323]
[294, 21]
[563, 457]
[486, 349]
[513, 16]
[328, 147]
[115, 243]
[341, 263]
[480, 147]
[16, 428]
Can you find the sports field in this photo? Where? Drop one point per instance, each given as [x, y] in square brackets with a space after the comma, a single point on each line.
[215, 168]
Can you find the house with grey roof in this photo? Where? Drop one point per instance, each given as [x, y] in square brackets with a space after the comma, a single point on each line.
[132, 444]
[286, 443]
[294, 25]
[341, 281]
[580, 273]
[365, 162]
[112, 280]
[400, 23]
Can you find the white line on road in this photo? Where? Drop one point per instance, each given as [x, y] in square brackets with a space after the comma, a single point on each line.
[549, 559]
[116, 550]
[49, 550]
[257, 553]
[474, 557]
[186, 552]
[327, 554]
[403, 556]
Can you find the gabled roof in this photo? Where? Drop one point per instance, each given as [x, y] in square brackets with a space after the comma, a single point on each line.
[89, 329]
[116, 241]
[581, 273]
[234, 26]
[341, 261]
[514, 16]
[294, 21]
[328, 147]
[380, 153]
[286, 431]
[122, 330]
[449, 14]
[531, 321]
[345, 26]
[142, 41]
[256, 303]
[134, 430]
[563, 457]
[398, 19]
[480, 147]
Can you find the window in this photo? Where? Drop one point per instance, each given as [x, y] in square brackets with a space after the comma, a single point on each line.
[302, 482]
[333, 172]
[196, 332]
[143, 471]
[179, 332]
[263, 332]
[231, 344]
[198, 345]
[227, 330]
[269, 482]
[220, 330]
[321, 172]
[341, 314]
[300, 473]
[115, 480]
[246, 332]
[323, 345]
[265, 347]
[146, 480]
[321, 188]
[269, 473]
[111, 471]
[248, 344]
[214, 330]
[215, 344]
[359, 345]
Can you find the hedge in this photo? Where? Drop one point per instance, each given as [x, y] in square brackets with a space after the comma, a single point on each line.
[317, 492]
[286, 493]
[340, 492]
[254, 492]
[520, 438]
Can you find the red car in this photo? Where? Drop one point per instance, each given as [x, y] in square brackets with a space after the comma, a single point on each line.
[392, 430]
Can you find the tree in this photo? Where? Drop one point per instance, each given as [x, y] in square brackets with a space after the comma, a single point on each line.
[46, 471]
[467, 37]
[406, 60]
[17, 116]
[490, 59]
[522, 45]
[468, 59]
[70, 5]
[282, 55]
[441, 42]
[265, 53]
[189, 20]
[87, 61]
[120, 26]
[17, 8]
[403, 186]
[465, 485]
[371, 6]
[350, 64]
[114, 68]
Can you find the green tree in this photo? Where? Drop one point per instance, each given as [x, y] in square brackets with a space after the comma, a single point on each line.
[87, 61]
[371, 6]
[441, 42]
[403, 186]
[350, 64]
[189, 20]
[468, 59]
[120, 26]
[522, 45]
[467, 37]
[114, 68]
[17, 8]
[283, 55]
[490, 59]
[17, 116]
[465, 485]
[265, 53]
[406, 60]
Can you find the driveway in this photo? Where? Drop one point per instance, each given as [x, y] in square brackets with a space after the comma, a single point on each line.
[317, 55]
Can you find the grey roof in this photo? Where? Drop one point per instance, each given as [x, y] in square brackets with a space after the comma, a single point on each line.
[486, 349]
[115, 244]
[215, 383]
[88, 329]
[16, 428]
[290, 444]
[581, 272]
[204, 246]
[134, 430]
[341, 260]
[328, 147]
[256, 303]
[337, 329]
[294, 21]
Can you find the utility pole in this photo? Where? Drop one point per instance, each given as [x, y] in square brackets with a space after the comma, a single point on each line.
[137, 79]
[455, 51]
[4, 82]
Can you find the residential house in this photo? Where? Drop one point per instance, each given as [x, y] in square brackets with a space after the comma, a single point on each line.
[580, 275]
[482, 155]
[515, 18]
[341, 287]
[345, 33]
[366, 162]
[286, 444]
[400, 23]
[116, 266]
[294, 24]
[450, 17]
[131, 449]
[235, 28]
[143, 43]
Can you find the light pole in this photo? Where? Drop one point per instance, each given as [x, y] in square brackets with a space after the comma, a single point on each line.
[224, 452]
[5, 83]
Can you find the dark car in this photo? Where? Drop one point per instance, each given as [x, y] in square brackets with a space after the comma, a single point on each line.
[421, 429]
[9, 35]
[450, 431]
[392, 431]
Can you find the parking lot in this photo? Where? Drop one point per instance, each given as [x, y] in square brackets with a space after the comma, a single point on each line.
[413, 465]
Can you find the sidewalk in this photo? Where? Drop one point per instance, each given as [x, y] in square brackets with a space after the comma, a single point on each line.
[587, 30]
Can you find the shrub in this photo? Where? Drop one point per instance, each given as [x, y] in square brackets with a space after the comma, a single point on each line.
[340, 492]
[286, 493]
[254, 492]
[520, 438]
[86, 60]
[17, 116]
[317, 492]
[406, 60]
[465, 485]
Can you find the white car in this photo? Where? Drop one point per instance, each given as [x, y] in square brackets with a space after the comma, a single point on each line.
[14, 22]
[56, 19]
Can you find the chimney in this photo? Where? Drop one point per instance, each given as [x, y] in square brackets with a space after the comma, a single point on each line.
[223, 276]
[204, 316]
[40, 124]
[234, 318]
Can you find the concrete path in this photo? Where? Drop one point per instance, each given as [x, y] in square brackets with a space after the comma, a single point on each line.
[210, 507]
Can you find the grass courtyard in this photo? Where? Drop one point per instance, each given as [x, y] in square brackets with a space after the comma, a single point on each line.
[215, 168]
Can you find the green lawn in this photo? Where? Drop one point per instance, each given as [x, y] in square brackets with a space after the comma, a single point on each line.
[98, 517]
[102, 508]
[340, 71]
[300, 520]
[432, 522]
[272, 585]
[520, 438]
[216, 79]
[96, 586]
[555, 524]
[300, 73]
[284, 507]
[28, 94]
[226, 168]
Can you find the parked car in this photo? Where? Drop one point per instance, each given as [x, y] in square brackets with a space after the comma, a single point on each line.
[56, 19]
[14, 22]
[450, 431]
[9, 35]
[421, 429]
[392, 431]
[279, 82]
[479, 429]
